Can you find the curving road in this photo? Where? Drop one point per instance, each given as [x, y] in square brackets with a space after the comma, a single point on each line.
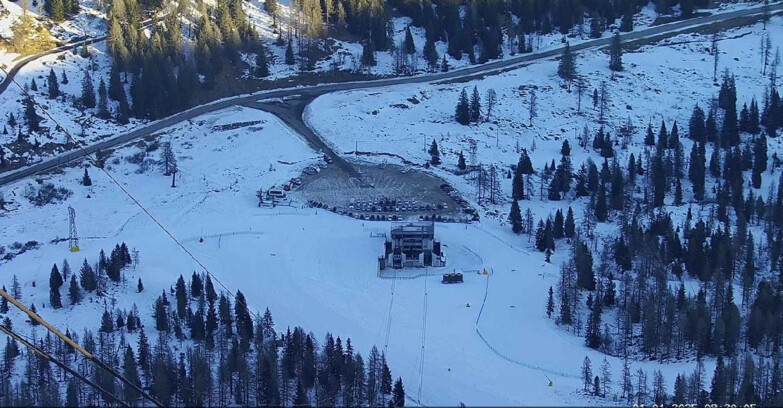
[73, 43]
[733, 18]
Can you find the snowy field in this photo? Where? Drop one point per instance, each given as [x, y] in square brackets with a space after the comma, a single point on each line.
[319, 270]
[310, 267]
[660, 82]
[345, 56]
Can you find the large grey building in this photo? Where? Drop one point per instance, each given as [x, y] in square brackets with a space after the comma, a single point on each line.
[412, 245]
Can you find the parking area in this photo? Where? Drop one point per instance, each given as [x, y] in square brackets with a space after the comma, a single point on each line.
[385, 192]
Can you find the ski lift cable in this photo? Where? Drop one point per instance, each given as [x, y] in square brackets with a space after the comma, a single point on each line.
[81, 146]
[42, 354]
[77, 347]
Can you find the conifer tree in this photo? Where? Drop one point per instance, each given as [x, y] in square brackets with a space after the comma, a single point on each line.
[593, 333]
[431, 54]
[567, 67]
[649, 138]
[444, 65]
[131, 372]
[55, 282]
[550, 304]
[616, 53]
[181, 296]
[368, 55]
[32, 119]
[587, 373]
[434, 153]
[103, 102]
[86, 180]
[88, 91]
[409, 47]
[515, 217]
[52, 85]
[461, 162]
[475, 106]
[262, 63]
[398, 394]
[116, 89]
[74, 292]
[88, 278]
[462, 114]
[569, 226]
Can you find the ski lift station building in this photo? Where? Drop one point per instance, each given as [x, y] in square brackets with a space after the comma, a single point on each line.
[412, 245]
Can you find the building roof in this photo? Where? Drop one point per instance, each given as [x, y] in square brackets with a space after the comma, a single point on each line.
[413, 228]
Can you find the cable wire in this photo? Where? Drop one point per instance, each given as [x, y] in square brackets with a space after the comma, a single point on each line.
[80, 145]
[42, 354]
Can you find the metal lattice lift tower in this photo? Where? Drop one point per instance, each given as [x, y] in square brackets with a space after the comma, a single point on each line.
[73, 236]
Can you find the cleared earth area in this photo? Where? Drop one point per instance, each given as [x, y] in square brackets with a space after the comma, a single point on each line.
[384, 192]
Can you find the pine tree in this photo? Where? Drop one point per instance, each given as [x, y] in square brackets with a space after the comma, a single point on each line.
[55, 282]
[587, 374]
[139, 286]
[462, 114]
[52, 85]
[649, 138]
[33, 322]
[131, 372]
[88, 278]
[550, 304]
[300, 396]
[475, 106]
[55, 9]
[461, 162]
[616, 53]
[107, 323]
[289, 55]
[398, 394]
[262, 63]
[606, 378]
[88, 91]
[168, 159]
[567, 67]
[593, 333]
[74, 292]
[244, 321]
[368, 55]
[161, 315]
[409, 47]
[515, 217]
[569, 227]
[583, 262]
[444, 65]
[431, 54]
[86, 180]
[601, 207]
[32, 119]
[103, 101]
[719, 382]
[434, 153]
[181, 296]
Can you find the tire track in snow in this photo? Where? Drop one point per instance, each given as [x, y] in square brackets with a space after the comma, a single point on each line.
[507, 358]
[389, 317]
[423, 340]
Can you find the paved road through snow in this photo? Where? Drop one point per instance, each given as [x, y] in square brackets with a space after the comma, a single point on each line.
[492, 68]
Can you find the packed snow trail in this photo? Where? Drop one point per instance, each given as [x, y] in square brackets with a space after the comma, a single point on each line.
[389, 319]
[423, 340]
[509, 359]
